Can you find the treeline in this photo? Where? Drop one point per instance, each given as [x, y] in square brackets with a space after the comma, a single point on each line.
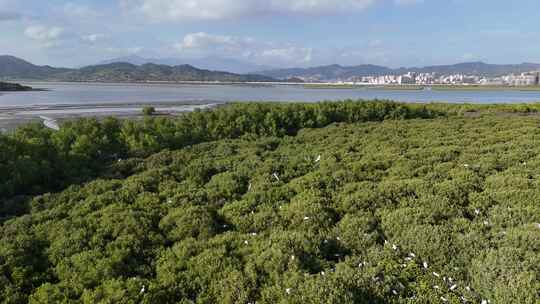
[35, 160]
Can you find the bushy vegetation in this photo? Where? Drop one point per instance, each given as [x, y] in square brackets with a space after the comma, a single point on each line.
[275, 203]
[148, 111]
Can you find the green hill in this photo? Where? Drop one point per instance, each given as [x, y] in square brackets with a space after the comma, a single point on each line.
[15, 68]
[153, 72]
[349, 202]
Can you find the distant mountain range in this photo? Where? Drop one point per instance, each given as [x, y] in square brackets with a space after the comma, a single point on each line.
[208, 63]
[138, 69]
[335, 72]
[16, 68]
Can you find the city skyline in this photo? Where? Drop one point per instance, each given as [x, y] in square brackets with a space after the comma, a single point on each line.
[275, 33]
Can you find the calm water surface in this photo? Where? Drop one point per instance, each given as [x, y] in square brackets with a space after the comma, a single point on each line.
[111, 94]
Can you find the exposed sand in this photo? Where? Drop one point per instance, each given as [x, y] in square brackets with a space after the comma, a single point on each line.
[12, 117]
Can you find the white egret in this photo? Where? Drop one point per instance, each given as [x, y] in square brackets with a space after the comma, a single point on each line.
[425, 264]
[50, 123]
[143, 289]
[318, 159]
[453, 287]
[276, 176]
[436, 274]
[288, 290]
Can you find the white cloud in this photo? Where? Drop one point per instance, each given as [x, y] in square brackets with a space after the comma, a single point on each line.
[47, 36]
[92, 38]
[79, 11]
[291, 54]
[408, 2]
[263, 52]
[179, 10]
[208, 42]
[134, 49]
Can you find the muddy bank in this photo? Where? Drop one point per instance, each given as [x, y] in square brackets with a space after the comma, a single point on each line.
[12, 117]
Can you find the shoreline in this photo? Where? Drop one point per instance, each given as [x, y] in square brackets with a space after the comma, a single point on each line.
[12, 117]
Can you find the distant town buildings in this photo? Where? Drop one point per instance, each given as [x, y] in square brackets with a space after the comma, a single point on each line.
[411, 78]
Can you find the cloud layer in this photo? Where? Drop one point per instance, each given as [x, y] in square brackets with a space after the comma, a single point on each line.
[47, 36]
[263, 52]
[180, 10]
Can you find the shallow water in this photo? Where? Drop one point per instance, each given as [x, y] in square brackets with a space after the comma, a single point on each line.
[110, 94]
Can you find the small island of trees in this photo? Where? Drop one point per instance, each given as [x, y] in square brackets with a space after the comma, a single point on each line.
[6, 86]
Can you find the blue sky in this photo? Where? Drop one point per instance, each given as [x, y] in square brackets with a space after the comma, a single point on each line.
[279, 33]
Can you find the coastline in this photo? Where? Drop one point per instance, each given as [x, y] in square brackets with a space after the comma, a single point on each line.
[12, 117]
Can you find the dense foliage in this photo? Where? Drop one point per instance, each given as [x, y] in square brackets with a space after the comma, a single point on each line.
[35, 160]
[326, 203]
